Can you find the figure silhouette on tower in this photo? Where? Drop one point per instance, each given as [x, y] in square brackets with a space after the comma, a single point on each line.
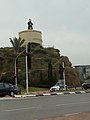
[30, 24]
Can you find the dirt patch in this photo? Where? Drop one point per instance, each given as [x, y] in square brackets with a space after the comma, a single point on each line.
[76, 116]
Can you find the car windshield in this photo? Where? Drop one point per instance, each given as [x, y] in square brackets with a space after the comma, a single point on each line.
[59, 84]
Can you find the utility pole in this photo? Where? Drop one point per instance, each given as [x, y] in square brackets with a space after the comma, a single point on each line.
[15, 72]
[26, 70]
[16, 66]
[64, 76]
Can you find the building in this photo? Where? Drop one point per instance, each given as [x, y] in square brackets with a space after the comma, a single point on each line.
[30, 35]
[84, 71]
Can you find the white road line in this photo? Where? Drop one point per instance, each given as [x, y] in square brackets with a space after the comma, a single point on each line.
[72, 103]
[72, 114]
[6, 98]
[19, 109]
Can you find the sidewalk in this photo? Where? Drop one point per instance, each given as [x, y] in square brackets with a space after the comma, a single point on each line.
[77, 116]
[47, 93]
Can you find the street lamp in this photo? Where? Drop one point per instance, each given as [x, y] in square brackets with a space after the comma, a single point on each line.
[15, 72]
[28, 63]
[26, 70]
[64, 76]
[16, 66]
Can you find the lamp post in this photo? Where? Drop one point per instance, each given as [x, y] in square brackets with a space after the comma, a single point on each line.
[16, 71]
[16, 66]
[26, 67]
[26, 71]
[28, 63]
[64, 76]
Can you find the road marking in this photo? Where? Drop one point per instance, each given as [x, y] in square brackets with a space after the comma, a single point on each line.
[6, 98]
[72, 103]
[72, 114]
[19, 109]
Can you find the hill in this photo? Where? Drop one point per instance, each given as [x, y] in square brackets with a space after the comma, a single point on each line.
[38, 74]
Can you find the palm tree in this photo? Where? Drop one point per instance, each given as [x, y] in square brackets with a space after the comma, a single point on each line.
[16, 43]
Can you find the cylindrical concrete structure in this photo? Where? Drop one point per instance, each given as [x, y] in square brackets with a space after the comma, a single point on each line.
[32, 36]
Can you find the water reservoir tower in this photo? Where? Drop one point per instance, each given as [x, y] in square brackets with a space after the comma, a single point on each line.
[30, 35]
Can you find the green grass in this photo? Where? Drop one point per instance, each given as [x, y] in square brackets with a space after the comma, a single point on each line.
[35, 89]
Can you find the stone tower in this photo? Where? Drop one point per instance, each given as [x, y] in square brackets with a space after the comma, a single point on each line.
[30, 35]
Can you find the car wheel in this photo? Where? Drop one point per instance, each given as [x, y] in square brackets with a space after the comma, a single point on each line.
[12, 93]
[85, 87]
[59, 89]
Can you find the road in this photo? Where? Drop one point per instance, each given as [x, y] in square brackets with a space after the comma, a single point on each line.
[37, 108]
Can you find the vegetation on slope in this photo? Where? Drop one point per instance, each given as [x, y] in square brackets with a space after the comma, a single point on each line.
[38, 74]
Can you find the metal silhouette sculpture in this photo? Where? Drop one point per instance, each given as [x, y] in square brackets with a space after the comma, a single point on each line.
[30, 24]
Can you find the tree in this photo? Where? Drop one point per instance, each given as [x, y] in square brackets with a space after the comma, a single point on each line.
[17, 43]
[61, 71]
[50, 76]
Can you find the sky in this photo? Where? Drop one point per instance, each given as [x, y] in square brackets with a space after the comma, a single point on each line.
[65, 25]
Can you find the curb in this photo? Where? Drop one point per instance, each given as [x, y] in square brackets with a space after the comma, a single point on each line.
[50, 94]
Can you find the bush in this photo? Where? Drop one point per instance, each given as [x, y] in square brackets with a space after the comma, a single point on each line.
[8, 78]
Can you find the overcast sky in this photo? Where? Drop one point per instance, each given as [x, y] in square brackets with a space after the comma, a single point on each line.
[65, 24]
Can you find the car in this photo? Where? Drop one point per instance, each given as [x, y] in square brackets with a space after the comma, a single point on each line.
[57, 87]
[86, 84]
[17, 90]
[6, 89]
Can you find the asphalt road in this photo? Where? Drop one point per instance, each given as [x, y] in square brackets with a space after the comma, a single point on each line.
[37, 108]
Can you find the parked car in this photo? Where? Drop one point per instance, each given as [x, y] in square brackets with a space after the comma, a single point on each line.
[17, 89]
[6, 89]
[86, 84]
[58, 86]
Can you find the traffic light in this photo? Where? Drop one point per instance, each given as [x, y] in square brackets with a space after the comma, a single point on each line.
[29, 55]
